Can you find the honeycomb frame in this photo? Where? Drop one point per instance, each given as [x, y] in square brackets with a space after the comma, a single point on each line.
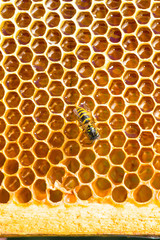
[102, 55]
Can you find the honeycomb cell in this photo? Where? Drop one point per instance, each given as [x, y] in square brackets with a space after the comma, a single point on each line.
[146, 155]
[86, 87]
[156, 146]
[69, 114]
[26, 141]
[56, 174]
[39, 45]
[83, 36]
[114, 35]
[146, 138]
[116, 87]
[26, 158]
[102, 147]
[113, 4]
[56, 122]
[41, 149]
[101, 113]
[23, 195]
[26, 72]
[41, 80]
[102, 187]
[71, 148]
[85, 70]
[131, 164]
[129, 25]
[26, 89]
[23, 37]
[117, 139]
[12, 99]
[155, 10]
[144, 34]
[99, 44]
[146, 86]
[145, 51]
[84, 19]
[145, 172]
[131, 95]
[83, 4]
[53, 36]
[117, 104]
[55, 196]
[131, 147]
[69, 61]
[9, 46]
[27, 124]
[4, 196]
[11, 64]
[143, 17]
[115, 69]
[12, 183]
[84, 192]
[2, 125]
[2, 109]
[99, 27]
[98, 60]
[99, 11]
[11, 149]
[132, 113]
[156, 162]
[116, 175]
[56, 139]
[142, 194]
[25, 54]
[55, 71]
[114, 18]
[103, 130]
[101, 78]
[41, 97]
[23, 5]
[7, 28]
[101, 96]
[117, 156]
[27, 107]
[130, 43]
[12, 81]
[7, 11]
[128, 9]
[119, 194]
[54, 54]
[131, 77]
[52, 4]
[132, 130]
[68, 11]
[37, 11]
[55, 156]
[71, 131]
[68, 44]
[87, 156]
[72, 164]
[23, 20]
[56, 105]
[70, 78]
[156, 113]
[38, 29]
[12, 133]
[41, 131]
[68, 27]
[12, 116]
[39, 189]
[131, 60]
[117, 121]
[40, 63]
[115, 52]
[101, 166]
[11, 167]
[156, 129]
[143, 4]
[131, 181]
[70, 183]
[146, 104]
[41, 167]
[52, 19]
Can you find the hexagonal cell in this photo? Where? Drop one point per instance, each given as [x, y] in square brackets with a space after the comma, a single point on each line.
[155, 10]
[116, 87]
[117, 139]
[26, 140]
[40, 63]
[26, 158]
[25, 54]
[102, 147]
[84, 192]
[143, 4]
[103, 130]
[26, 89]
[131, 60]
[38, 29]
[86, 175]
[114, 18]
[23, 195]
[131, 147]
[128, 9]
[41, 97]
[69, 61]
[52, 5]
[101, 166]
[99, 44]
[54, 54]
[143, 17]
[11, 64]
[37, 11]
[101, 78]
[71, 148]
[39, 45]
[12, 81]
[27, 124]
[41, 80]
[142, 194]
[68, 27]
[131, 95]
[7, 11]
[23, 20]
[56, 139]
[116, 175]
[27, 107]
[55, 71]
[41, 167]
[9, 45]
[12, 99]
[12, 116]
[144, 34]
[12, 183]
[87, 156]
[101, 96]
[68, 44]
[4, 196]
[83, 52]
[101, 113]
[23, 5]
[113, 4]
[84, 19]
[117, 121]
[155, 183]
[117, 156]
[129, 25]
[55, 196]
[83, 4]
[146, 86]
[26, 72]
[55, 173]
[115, 52]
[2, 125]
[53, 36]
[132, 130]
[131, 77]
[41, 149]
[146, 104]
[115, 69]
[11, 150]
[145, 51]
[145, 172]
[56, 105]
[156, 146]
[131, 181]
[71, 131]
[146, 155]
[156, 162]
[146, 138]
[52, 19]
[56, 122]
[39, 189]
[119, 194]
[41, 131]
[84, 140]
[69, 114]
[102, 187]
[70, 78]
[11, 167]
[85, 70]
[99, 11]
[23, 37]
[8, 28]
[156, 129]
[131, 164]
[132, 113]
[130, 43]
[12, 133]
[117, 104]
[72, 164]
[86, 87]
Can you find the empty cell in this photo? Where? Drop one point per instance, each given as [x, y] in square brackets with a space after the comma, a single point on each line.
[117, 156]
[71, 131]
[56, 174]
[146, 155]
[12, 183]
[131, 164]
[71, 148]
[84, 192]
[142, 194]
[131, 181]
[41, 167]
[119, 194]
[102, 187]
[23, 195]
[116, 175]
[27, 176]
[101, 166]
[87, 156]
[55, 196]
[72, 164]
[55, 156]
[26, 158]
[70, 183]
[145, 172]
[39, 189]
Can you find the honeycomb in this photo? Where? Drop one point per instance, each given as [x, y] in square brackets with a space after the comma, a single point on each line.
[56, 55]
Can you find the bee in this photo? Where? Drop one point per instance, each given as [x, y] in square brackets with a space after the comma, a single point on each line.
[86, 123]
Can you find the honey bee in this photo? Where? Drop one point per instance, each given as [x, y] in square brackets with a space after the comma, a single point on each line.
[86, 123]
